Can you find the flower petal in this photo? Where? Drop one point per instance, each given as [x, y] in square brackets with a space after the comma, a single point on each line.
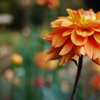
[96, 27]
[98, 45]
[54, 31]
[57, 30]
[69, 56]
[54, 55]
[78, 40]
[67, 32]
[63, 17]
[97, 36]
[83, 32]
[92, 49]
[55, 38]
[56, 24]
[97, 61]
[48, 38]
[62, 60]
[91, 10]
[66, 23]
[51, 49]
[98, 15]
[79, 50]
[58, 40]
[70, 12]
[65, 58]
[66, 48]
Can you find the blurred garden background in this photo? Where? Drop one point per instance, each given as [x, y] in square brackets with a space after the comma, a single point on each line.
[24, 73]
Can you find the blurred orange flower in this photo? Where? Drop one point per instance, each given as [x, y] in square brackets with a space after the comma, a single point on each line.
[76, 34]
[95, 82]
[52, 4]
[39, 60]
[17, 59]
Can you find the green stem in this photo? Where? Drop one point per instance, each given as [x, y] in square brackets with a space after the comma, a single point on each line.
[77, 78]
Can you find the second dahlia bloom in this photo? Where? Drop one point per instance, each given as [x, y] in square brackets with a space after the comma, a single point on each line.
[52, 4]
[76, 34]
[39, 60]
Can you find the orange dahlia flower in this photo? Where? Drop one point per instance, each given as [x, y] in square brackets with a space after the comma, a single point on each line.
[76, 34]
[95, 82]
[52, 4]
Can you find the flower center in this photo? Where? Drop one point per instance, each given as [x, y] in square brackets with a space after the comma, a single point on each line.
[81, 16]
[87, 16]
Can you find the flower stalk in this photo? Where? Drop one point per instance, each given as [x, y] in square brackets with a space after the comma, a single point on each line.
[77, 78]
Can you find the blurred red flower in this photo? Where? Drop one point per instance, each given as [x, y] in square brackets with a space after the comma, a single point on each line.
[95, 82]
[39, 82]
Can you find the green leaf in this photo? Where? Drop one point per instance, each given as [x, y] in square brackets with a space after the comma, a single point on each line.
[60, 67]
[54, 94]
